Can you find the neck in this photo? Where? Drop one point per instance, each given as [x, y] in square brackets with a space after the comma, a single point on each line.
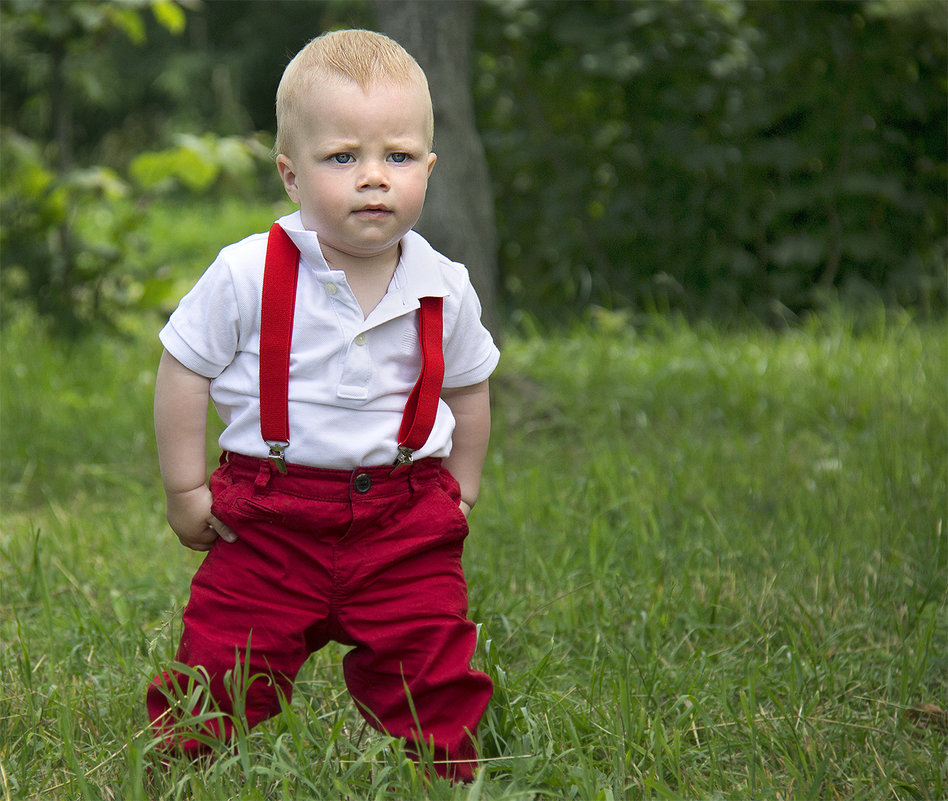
[384, 262]
[368, 277]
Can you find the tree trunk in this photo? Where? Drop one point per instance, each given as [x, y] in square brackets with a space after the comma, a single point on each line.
[459, 213]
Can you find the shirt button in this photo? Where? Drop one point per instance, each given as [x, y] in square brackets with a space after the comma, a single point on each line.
[331, 289]
[362, 483]
[360, 339]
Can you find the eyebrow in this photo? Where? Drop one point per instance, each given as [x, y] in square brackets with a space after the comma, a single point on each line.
[397, 143]
[340, 144]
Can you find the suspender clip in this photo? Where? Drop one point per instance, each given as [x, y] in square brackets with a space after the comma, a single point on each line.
[276, 455]
[403, 459]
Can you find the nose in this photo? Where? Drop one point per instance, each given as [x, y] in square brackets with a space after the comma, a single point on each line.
[373, 175]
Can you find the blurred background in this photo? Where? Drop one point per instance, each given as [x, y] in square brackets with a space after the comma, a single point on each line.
[715, 158]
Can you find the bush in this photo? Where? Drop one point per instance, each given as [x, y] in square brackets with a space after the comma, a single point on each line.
[716, 157]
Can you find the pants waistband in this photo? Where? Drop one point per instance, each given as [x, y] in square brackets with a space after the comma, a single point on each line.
[317, 482]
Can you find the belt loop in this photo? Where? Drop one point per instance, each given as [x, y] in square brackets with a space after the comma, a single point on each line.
[411, 479]
[262, 480]
[416, 476]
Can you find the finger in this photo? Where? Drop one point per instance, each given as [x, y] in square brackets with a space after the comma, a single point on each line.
[223, 530]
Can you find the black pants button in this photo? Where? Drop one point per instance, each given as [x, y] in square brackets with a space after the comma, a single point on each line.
[362, 483]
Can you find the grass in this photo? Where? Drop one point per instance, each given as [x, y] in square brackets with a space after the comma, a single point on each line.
[706, 564]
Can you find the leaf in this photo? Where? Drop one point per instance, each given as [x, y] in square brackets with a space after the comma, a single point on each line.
[128, 21]
[169, 15]
[98, 179]
[156, 170]
[928, 716]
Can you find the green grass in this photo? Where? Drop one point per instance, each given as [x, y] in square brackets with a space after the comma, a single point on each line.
[706, 564]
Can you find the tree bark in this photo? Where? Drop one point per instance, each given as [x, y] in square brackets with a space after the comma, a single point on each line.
[459, 213]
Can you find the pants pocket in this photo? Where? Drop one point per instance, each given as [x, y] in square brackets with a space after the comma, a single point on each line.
[450, 490]
[236, 501]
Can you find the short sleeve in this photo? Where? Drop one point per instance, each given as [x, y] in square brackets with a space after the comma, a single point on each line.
[203, 332]
[470, 355]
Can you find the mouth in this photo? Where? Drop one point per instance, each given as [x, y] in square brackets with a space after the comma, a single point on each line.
[373, 211]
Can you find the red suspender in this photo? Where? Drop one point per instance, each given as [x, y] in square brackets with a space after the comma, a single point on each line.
[276, 332]
[422, 406]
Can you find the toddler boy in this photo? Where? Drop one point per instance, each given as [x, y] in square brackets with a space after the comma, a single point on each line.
[352, 383]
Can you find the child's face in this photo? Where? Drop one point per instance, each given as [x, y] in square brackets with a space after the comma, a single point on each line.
[359, 167]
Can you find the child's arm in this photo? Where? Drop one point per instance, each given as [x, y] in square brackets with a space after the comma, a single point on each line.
[471, 409]
[181, 398]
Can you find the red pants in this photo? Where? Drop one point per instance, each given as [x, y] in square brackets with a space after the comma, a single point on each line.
[370, 559]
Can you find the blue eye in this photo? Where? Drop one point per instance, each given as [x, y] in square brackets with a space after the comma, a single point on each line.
[342, 158]
[400, 158]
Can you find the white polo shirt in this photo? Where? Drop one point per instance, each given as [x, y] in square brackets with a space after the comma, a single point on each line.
[349, 376]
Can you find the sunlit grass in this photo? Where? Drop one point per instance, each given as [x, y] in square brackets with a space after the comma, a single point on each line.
[705, 564]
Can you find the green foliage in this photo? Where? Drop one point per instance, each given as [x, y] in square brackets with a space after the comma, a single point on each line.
[706, 564]
[72, 242]
[715, 158]
[198, 163]
[56, 79]
[710, 156]
[66, 236]
[70, 233]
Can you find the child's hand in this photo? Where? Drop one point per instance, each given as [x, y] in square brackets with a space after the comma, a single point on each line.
[189, 515]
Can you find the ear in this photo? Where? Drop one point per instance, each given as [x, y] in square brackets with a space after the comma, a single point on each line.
[432, 158]
[288, 176]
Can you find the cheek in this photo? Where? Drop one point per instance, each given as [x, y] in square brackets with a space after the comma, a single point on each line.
[323, 194]
[415, 189]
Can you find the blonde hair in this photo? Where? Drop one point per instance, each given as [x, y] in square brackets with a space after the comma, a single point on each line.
[363, 57]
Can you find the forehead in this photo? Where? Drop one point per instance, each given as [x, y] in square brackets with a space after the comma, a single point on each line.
[392, 108]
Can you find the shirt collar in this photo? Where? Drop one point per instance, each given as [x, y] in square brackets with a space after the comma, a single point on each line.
[422, 265]
[307, 241]
[418, 274]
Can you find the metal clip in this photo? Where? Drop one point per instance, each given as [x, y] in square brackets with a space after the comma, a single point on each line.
[403, 459]
[276, 455]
